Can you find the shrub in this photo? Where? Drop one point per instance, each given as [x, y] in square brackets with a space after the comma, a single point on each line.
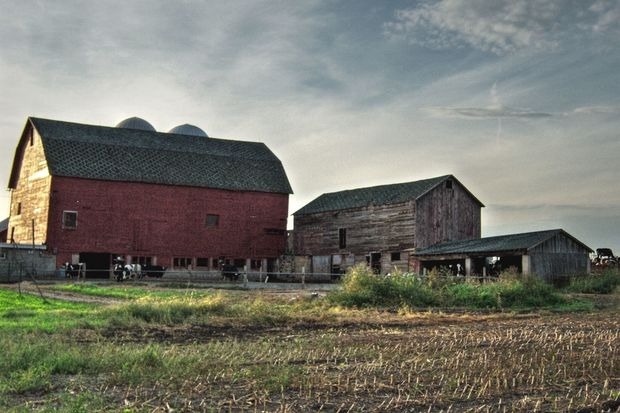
[604, 283]
[362, 288]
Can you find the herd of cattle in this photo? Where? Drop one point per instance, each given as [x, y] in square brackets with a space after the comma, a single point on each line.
[120, 270]
[124, 271]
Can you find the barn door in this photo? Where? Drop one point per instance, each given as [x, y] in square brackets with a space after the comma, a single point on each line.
[374, 262]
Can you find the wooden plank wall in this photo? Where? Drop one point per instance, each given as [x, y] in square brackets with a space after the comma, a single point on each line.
[559, 256]
[447, 214]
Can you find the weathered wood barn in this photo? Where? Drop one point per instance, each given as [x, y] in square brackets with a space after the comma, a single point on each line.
[177, 199]
[549, 254]
[380, 225]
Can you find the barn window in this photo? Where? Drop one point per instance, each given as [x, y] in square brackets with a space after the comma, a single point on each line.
[142, 260]
[449, 184]
[202, 262]
[19, 208]
[69, 219]
[395, 256]
[342, 238]
[212, 221]
[2, 254]
[181, 262]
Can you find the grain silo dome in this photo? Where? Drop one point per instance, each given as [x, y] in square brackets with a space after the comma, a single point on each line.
[187, 129]
[136, 123]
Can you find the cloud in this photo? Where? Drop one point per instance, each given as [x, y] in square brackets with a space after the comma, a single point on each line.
[503, 26]
[490, 112]
[590, 110]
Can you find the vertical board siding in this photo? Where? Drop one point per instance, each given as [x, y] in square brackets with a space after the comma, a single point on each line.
[559, 255]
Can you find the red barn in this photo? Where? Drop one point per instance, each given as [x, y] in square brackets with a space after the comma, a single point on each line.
[177, 199]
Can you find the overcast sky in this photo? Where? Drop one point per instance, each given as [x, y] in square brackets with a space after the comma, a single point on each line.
[520, 100]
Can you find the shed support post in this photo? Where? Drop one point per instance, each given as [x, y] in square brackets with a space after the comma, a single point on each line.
[468, 266]
[525, 264]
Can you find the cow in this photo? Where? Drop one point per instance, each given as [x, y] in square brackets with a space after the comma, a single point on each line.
[71, 270]
[155, 271]
[230, 272]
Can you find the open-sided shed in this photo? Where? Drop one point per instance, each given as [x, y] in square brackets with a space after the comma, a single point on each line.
[549, 254]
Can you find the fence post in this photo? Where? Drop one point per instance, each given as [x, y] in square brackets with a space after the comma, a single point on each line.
[303, 278]
[245, 276]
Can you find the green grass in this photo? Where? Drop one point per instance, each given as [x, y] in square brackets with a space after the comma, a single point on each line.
[127, 293]
[27, 312]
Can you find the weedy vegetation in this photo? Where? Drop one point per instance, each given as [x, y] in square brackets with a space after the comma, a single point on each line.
[397, 343]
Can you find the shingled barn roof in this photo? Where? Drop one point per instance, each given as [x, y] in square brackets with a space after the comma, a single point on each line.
[376, 195]
[133, 155]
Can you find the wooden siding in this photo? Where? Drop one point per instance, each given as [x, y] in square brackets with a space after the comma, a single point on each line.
[447, 214]
[558, 256]
[30, 198]
[370, 229]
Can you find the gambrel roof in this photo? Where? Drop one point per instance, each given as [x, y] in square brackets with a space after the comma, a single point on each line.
[517, 243]
[134, 155]
[375, 195]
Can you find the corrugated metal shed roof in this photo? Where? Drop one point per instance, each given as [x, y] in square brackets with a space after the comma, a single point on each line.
[4, 224]
[498, 244]
[376, 195]
[120, 154]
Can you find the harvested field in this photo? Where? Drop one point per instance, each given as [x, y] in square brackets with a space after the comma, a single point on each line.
[354, 361]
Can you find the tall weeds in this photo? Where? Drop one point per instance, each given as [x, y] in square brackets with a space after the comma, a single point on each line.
[361, 288]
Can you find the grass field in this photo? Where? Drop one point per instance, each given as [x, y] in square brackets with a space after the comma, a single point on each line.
[138, 348]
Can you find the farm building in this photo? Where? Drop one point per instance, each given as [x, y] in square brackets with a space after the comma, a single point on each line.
[380, 225]
[178, 199]
[549, 254]
[21, 261]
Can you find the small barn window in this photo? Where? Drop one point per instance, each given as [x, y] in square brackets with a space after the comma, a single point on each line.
[202, 262]
[395, 256]
[449, 184]
[182, 262]
[19, 209]
[2, 254]
[142, 260]
[69, 219]
[342, 238]
[212, 221]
